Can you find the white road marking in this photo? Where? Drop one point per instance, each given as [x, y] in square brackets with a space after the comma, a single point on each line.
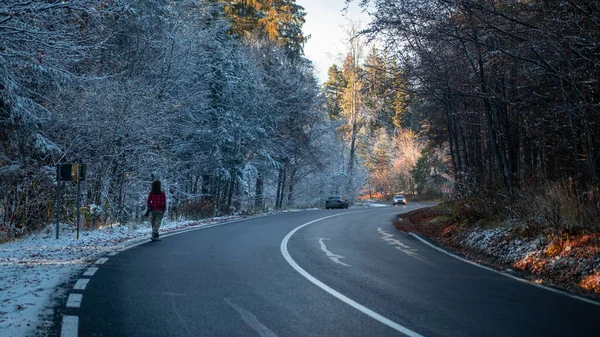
[81, 284]
[69, 327]
[412, 252]
[334, 257]
[183, 323]
[388, 238]
[102, 260]
[505, 274]
[251, 320]
[173, 294]
[90, 271]
[334, 293]
[70, 323]
[74, 300]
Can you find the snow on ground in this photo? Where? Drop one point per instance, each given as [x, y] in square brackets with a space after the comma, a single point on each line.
[571, 263]
[369, 203]
[33, 268]
[497, 242]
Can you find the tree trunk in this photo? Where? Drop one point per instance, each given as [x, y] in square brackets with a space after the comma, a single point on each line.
[291, 187]
[205, 189]
[283, 179]
[258, 191]
[231, 190]
[279, 188]
[353, 141]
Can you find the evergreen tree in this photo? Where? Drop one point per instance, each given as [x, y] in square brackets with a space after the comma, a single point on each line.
[279, 21]
[333, 89]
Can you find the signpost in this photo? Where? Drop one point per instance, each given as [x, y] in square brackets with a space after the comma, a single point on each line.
[58, 182]
[69, 172]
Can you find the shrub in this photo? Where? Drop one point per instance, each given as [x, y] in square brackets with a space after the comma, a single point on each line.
[198, 208]
[551, 208]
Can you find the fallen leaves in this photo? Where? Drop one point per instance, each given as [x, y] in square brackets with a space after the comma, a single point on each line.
[591, 282]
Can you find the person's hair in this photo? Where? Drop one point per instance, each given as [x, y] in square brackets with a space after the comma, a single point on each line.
[156, 187]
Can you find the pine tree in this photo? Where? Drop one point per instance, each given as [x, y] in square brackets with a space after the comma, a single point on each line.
[278, 21]
[333, 89]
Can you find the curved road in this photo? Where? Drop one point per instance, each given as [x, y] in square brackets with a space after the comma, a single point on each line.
[348, 274]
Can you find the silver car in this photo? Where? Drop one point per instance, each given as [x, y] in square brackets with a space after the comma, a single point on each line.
[399, 199]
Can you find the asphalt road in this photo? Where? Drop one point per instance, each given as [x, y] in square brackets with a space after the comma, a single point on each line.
[351, 274]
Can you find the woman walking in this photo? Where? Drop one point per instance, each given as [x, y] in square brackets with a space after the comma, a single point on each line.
[157, 204]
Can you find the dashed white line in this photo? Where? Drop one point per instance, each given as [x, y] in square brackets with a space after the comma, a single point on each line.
[74, 300]
[69, 327]
[70, 324]
[334, 257]
[81, 284]
[251, 320]
[90, 271]
[336, 294]
[412, 252]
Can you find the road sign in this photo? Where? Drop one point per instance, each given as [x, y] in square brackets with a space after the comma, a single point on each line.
[69, 172]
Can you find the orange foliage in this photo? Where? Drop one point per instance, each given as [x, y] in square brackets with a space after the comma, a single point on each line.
[447, 230]
[532, 262]
[374, 195]
[591, 283]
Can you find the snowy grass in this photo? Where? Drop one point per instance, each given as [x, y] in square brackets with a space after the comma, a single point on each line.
[569, 263]
[33, 268]
[496, 242]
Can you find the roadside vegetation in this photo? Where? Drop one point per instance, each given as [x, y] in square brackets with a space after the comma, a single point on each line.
[507, 92]
[213, 98]
[543, 252]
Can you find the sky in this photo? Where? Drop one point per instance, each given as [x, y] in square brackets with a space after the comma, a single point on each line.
[324, 23]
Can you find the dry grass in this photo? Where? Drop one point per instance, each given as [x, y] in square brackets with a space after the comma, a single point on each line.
[552, 208]
[556, 206]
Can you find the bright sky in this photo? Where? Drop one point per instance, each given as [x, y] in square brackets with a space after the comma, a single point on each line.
[324, 22]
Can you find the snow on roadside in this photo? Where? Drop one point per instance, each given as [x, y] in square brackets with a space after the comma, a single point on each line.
[498, 243]
[567, 261]
[32, 268]
[371, 203]
[572, 263]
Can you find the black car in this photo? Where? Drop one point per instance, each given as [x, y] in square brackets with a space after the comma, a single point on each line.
[336, 201]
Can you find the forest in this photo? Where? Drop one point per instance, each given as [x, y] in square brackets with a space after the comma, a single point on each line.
[490, 104]
[508, 91]
[214, 98]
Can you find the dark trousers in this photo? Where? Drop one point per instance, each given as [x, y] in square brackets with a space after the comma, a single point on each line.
[155, 219]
